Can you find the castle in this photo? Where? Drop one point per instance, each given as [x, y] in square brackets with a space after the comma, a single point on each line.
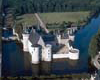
[42, 50]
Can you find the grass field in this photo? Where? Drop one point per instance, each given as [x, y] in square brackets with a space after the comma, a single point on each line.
[30, 19]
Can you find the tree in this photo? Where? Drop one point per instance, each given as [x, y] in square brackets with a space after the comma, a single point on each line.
[94, 46]
[93, 50]
[27, 6]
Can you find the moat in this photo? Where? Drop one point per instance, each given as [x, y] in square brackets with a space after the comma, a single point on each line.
[17, 63]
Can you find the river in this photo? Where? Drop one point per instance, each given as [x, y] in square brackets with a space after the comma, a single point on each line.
[83, 38]
[17, 63]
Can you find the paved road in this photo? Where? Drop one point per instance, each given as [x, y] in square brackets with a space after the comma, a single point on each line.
[41, 23]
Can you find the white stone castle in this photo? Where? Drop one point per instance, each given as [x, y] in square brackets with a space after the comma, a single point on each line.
[41, 50]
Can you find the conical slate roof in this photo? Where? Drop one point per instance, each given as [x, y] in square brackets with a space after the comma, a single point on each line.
[35, 38]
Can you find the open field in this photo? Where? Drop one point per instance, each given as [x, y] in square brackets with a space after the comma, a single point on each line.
[30, 19]
[65, 16]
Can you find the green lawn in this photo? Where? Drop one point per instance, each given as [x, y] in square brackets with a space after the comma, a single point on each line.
[64, 16]
[30, 19]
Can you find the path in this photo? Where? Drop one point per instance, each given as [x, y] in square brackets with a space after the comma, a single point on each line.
[41, 23]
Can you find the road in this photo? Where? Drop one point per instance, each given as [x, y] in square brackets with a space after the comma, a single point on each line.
[41, 23]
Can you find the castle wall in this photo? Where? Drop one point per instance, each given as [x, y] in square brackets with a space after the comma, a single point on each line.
[58, 39]
[74, 55]
[56, 56]
[30, 47]
[25, 42]
[70, 55]
[71, 38]
[47, 53]
[65, 41]
[34, 51]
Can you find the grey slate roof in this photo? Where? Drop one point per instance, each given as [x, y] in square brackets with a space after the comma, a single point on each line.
[35, 38]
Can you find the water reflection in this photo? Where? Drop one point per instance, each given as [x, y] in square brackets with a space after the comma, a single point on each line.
[18, 63]
[35, 69]
[12, 59]
[27, 63]
[64, 66]
[46, 68]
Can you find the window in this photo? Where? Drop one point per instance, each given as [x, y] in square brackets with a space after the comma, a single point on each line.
[34, 49]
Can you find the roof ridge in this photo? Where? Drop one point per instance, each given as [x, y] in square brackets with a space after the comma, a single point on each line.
[35, 37]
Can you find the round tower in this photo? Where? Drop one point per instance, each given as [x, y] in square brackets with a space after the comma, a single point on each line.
[14, 32]
[71, 37]
[74, 54]
[48, 53]
[25, 42]
[35, 55]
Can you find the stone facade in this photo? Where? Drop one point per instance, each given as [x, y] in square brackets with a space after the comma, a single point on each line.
[41, 51]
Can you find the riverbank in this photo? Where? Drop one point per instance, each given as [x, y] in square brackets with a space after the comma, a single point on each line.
[0, 37]
[0, 50]
[83, 76]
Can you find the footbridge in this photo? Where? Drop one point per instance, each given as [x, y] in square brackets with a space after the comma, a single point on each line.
[41, 23]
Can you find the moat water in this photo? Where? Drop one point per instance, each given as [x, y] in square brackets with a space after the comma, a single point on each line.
[18, 63]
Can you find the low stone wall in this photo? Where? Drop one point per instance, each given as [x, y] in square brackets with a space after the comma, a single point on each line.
[56, 56]
[71, 55]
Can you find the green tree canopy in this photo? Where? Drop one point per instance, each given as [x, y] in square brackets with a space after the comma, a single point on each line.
[31, 6]
[94, 46]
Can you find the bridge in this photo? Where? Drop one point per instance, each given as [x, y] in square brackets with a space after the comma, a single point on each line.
[41, 23]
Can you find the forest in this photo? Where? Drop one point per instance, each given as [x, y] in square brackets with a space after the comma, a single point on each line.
[42, 6]
[94, 46]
